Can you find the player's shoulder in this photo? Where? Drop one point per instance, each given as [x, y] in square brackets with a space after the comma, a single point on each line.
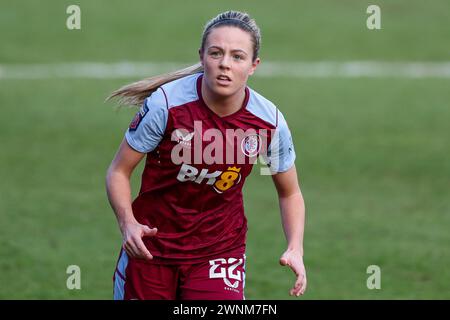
[263, 108]
[180, 91]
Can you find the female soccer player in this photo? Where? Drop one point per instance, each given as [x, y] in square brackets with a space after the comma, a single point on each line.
[200, 129]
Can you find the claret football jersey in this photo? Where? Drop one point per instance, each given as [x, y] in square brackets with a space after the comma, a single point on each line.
[196, 166]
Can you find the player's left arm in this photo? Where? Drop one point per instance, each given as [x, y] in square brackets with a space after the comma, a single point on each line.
[292, 208]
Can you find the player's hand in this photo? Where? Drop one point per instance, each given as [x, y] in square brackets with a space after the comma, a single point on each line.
[294, 260]
[133, 233]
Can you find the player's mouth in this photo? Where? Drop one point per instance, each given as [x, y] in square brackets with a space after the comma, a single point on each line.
[223, 80]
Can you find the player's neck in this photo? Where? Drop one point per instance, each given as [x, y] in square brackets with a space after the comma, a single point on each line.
[223, 106]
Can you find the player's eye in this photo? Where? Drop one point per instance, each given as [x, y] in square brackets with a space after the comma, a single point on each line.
[237, 57]
[215, 54]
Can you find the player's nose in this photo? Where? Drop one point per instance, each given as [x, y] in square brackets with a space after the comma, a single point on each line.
[225, 62]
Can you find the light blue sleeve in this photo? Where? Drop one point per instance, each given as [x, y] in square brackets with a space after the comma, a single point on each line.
[281, 153]
[147, 128]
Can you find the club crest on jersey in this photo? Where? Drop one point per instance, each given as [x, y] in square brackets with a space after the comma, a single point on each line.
[138, 117]
[251, 145]
[183, 137]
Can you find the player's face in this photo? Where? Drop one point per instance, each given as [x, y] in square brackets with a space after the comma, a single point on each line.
[228, 60]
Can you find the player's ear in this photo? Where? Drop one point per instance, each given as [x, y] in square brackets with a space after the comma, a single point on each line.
[200, 54]
[254, 65]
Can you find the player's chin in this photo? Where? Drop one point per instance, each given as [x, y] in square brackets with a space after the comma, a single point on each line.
[224, 91]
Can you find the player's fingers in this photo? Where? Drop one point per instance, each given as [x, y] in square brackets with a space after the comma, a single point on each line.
[283, 261]
[142, 250]
[134, 249]
[296, 288]
[303, 289]
[149, 232]
[129, 249]
[299, 282]
[300, 285]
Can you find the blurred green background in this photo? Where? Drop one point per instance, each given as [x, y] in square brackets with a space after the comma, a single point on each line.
[371, 152]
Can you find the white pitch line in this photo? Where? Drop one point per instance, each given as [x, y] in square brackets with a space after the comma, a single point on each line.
[322, 69]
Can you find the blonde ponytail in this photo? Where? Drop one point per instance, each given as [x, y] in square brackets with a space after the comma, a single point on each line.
[135, 93]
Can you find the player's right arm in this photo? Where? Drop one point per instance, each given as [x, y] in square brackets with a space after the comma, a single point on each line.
[144, 134]
[119, 195]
